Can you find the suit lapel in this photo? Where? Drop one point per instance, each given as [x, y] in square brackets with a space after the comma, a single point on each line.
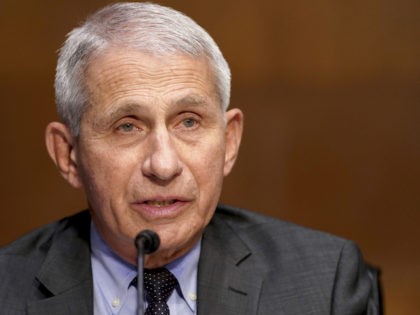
[66, 275]
[227, 283]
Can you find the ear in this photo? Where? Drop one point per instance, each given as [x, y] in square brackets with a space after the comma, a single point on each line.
[60, 147]
[233, 135]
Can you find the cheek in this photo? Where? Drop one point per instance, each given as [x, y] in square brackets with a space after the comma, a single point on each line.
[208, 160]
[207, 169]
[103, 173]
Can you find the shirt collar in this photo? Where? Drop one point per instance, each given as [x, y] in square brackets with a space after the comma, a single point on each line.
[115, 274]
[111, 276]
[184, 269]
[110, 264]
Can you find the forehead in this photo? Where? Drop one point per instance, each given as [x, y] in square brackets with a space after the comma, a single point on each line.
[117, 73]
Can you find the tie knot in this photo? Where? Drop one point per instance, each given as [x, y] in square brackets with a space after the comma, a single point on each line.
[159, 284]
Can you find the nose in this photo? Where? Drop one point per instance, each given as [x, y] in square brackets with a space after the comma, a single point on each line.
[162, 163]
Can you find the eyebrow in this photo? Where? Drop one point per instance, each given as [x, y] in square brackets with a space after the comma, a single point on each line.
[131, 109]
[193, 100]
[128, 109]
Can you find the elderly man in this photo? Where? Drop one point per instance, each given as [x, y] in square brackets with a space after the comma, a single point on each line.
[142, 92]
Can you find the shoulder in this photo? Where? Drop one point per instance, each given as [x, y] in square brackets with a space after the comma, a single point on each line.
[261, 231]
[309, 264]
[41, 258]
[275, 243]
[40, 239]
[305, 255]
[21, 260]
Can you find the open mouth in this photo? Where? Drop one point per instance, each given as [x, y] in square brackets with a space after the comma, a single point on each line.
[158, 208]
[160, 203]
[155, 207]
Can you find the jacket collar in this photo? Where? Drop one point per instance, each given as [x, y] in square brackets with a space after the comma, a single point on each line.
[227, 283]
[66, 273]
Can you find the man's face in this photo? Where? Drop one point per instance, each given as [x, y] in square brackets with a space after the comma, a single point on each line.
[153, 149]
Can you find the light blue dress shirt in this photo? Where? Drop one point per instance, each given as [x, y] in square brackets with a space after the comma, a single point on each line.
[113, 294]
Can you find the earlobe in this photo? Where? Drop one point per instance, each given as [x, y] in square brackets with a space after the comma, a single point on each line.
[60, 147]
[233, 136]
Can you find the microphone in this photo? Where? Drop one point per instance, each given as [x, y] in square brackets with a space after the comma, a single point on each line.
[146, 242]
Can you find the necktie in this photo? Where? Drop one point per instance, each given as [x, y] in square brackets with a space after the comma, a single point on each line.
[158, 284]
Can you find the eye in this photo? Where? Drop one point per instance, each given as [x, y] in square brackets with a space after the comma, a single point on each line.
[189, 122]
[126, 127]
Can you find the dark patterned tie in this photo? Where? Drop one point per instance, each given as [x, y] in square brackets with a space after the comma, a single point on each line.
[158, 284]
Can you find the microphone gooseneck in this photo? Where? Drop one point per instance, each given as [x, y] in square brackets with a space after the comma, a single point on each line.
[146, 242]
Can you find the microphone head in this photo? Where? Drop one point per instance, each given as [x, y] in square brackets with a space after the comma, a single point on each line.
[148, 241]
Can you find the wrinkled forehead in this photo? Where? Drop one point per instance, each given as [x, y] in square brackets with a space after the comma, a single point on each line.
[119, 72]
[108, 57]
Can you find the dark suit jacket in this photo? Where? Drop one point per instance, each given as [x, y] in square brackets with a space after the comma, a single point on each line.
[249, 264]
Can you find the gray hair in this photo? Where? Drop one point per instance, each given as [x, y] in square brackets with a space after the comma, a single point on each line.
[147, 27]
